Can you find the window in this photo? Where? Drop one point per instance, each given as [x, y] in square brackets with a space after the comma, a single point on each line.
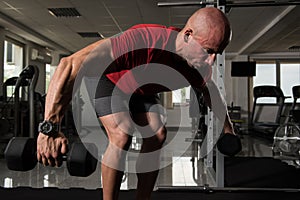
[181, 96]
[49, 72]
[286, 75]
[13, 62]
[289, 77]
[265, 75]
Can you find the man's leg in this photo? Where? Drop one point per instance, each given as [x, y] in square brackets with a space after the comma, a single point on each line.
[154, 135]
[119, 131]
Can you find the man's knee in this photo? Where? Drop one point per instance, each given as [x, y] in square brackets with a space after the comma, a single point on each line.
[120, 138]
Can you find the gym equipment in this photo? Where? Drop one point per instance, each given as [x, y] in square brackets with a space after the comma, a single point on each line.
[229, 144]
[287, 136]
[4, 126]
[296, 96]
[229, 4]
[30, 73]
[266, 127]
[197, 111]
[294, 113]
[21, 106]
[235, 116]
[14, 109]
[20, 155]
[287, 140]
[11, 82]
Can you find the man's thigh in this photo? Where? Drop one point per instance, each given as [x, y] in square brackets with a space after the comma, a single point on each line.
[142, 112]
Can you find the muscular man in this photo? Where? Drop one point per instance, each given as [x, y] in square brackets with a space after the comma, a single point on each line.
[190, 51]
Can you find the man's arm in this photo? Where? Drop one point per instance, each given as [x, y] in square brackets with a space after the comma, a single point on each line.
[216, 102]
[49, 149]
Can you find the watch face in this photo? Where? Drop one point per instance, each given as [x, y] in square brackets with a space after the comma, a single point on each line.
[46, 127]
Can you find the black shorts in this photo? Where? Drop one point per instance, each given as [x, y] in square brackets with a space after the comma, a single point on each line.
[109, 99]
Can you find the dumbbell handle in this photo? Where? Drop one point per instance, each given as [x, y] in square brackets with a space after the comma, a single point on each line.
[63, 157]
[286, 138]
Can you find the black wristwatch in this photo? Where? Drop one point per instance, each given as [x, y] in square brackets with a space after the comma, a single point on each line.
[48, 128]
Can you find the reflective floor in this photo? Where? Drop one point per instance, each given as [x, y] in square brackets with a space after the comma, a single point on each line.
[180, 170]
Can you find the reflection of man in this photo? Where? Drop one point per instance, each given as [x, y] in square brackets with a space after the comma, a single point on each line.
[206, 33]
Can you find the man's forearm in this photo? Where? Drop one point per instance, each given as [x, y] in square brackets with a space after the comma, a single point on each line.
[59, 91]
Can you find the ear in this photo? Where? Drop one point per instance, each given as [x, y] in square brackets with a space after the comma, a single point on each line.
[187, 34]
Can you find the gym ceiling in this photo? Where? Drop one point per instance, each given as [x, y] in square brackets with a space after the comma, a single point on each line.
[272, 28]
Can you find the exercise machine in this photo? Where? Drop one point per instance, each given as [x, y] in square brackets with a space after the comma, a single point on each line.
[21, 108]
[286, 143]
[260, 125]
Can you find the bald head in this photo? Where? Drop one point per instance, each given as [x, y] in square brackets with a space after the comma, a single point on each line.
[211, 26]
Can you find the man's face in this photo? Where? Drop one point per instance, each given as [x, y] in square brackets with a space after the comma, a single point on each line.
[196, 55]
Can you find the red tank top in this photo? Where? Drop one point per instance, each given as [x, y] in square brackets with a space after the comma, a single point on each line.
[146, 62]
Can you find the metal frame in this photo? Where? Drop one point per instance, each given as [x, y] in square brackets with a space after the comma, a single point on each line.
[229, 4]
[206, 188]
[216, 175]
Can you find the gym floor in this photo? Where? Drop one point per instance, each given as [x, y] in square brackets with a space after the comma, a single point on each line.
[182, 171]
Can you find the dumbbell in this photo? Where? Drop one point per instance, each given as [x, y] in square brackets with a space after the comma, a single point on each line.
[229, 144]
[20, 155]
